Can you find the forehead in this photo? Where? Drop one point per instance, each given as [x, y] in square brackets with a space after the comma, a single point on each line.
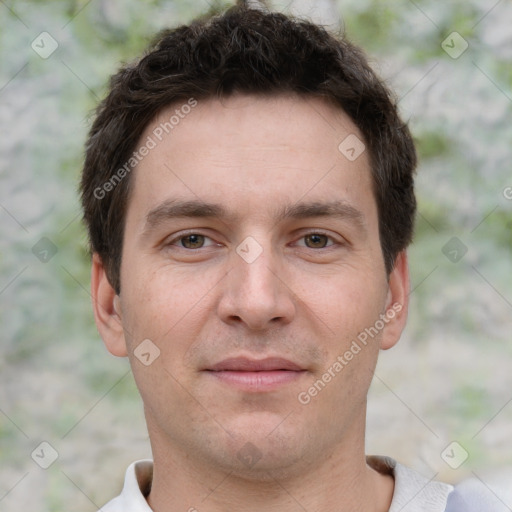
[251, 152]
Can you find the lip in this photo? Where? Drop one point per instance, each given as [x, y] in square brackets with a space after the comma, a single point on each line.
[245, 364]
[256, 375]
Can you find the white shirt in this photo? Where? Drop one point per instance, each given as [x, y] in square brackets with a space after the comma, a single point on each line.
[413, 492]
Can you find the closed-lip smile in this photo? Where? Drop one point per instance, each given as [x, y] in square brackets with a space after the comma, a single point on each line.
[256, 375]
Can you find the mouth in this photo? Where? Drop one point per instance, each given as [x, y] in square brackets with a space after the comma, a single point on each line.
[256, 375]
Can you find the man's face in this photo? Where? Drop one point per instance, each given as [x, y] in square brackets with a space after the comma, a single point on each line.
[223, 297]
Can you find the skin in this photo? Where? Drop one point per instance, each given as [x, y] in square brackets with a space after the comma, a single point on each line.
[305, 299]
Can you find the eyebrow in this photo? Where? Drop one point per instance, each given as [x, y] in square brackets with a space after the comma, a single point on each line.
[172, 209]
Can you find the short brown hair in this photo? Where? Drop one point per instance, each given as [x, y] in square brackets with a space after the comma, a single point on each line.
[253, 52]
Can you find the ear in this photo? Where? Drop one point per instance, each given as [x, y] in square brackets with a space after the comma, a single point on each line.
[107, 309]
[397, 302]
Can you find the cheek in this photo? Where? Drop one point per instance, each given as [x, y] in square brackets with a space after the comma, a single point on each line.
[163, 305]
[351, 313]
[346, 302]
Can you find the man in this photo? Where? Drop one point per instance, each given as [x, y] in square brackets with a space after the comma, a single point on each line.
[248, 191]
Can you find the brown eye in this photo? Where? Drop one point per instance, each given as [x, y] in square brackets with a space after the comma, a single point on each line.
[317, 240]
[193, 241]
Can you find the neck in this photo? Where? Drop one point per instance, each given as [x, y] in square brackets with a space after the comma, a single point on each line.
[339, 481]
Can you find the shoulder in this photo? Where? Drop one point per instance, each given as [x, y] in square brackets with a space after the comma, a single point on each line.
[416, 493]
[413, 492]
[474, 496]
[136, 486]
[115, 505]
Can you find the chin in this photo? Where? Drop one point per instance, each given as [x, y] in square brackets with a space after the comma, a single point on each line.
[264, 445]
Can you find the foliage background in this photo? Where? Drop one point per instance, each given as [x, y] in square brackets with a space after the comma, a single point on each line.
[448, 380]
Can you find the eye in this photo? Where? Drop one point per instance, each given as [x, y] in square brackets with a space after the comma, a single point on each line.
[193, 241]
[317, 240]
[190, 241]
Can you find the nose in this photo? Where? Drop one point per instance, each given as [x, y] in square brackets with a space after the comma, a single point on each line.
[254, 290]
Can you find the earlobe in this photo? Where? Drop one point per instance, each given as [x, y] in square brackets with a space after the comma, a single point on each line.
[397, 302]
[107, 309]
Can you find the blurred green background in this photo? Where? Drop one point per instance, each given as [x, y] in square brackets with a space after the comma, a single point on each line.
[449, 378]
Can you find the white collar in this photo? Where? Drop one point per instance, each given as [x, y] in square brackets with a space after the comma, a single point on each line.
[413, 492]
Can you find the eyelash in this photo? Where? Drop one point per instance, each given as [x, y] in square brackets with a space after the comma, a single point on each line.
[189, 233]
